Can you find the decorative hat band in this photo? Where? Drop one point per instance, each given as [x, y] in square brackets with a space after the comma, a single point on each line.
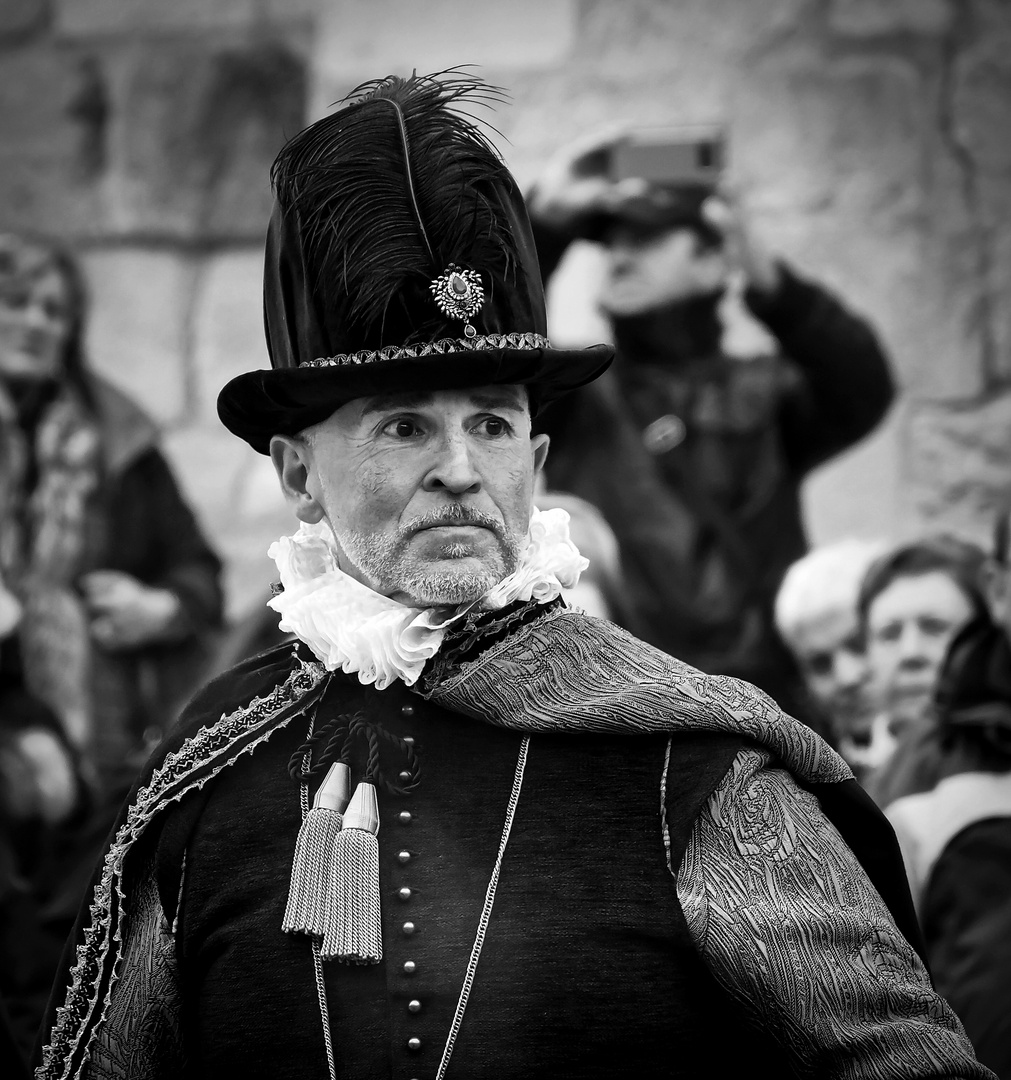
[443, 346]
[458, 294]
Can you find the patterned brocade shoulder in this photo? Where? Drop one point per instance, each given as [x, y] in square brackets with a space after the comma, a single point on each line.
[791, 927]
[141, 1037]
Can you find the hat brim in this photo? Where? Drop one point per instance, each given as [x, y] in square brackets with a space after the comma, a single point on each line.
[283, 401]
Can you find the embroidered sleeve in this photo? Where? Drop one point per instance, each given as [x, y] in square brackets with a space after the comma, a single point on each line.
[789, 924]
[140, 1037]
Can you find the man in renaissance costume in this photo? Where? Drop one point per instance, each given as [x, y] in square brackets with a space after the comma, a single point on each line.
[593, 860]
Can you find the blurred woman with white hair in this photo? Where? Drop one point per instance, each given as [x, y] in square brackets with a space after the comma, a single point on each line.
[816, 616]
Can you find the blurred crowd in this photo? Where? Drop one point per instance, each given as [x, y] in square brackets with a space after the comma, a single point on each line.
[682, 471]
[905, 651]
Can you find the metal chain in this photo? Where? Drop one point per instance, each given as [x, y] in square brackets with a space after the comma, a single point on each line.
[324, 1009]
[489, 900]
[482, 928]
[317, 960]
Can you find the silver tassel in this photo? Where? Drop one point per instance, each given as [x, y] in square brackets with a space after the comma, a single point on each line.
[310, 892]
[354, 930]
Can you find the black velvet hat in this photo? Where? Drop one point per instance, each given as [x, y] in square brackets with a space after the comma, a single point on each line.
[399, 257]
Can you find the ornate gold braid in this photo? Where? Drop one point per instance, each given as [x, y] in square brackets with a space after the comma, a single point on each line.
[197, 761]
[442, 347]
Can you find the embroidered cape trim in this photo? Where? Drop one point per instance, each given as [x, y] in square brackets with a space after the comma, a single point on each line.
[198, 760]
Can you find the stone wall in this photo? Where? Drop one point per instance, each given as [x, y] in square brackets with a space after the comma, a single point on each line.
[869, 137]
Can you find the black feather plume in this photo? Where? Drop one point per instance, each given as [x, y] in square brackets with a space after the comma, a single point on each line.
[392, 189]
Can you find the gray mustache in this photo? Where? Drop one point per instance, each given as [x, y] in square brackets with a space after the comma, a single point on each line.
[454, 514]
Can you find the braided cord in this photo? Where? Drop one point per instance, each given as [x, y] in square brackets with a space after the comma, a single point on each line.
[489, 900]
[337, 738]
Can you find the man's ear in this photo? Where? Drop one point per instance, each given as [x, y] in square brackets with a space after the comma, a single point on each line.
[540, 444]
[292, 460]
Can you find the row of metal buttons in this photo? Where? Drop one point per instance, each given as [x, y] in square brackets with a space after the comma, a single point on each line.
[405, 893]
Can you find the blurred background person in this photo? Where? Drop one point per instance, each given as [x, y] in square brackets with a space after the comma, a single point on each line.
[816, 615]
[956, 835]
[111, 591]
[116, 583]
[912, 603]
[40, 796]
[695, 457]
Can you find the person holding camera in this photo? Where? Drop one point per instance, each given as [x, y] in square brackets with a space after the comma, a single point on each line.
[695, 456]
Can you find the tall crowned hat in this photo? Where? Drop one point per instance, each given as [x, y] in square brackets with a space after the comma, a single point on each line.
[399, 257]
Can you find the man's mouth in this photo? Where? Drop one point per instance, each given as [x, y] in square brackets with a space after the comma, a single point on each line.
[453, 523]
[454, 520]
[462, 535]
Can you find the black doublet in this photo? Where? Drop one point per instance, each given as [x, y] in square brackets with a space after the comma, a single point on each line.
[558, 990]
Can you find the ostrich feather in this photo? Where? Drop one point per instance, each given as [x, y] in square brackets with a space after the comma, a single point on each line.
[392, 189]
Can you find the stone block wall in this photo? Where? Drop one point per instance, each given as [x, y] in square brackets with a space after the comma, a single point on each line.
[869, 138]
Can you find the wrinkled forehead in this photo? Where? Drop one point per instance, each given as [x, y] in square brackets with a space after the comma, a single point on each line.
[22, 261]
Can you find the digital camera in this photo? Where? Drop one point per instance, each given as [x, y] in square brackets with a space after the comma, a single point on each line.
[671, 157]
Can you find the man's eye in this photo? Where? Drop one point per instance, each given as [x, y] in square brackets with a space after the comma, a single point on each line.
[495, 426]
[402, 428]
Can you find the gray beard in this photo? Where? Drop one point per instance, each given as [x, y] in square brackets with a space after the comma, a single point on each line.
[386, 561]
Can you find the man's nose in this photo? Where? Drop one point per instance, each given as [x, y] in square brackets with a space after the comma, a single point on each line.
[453, 468]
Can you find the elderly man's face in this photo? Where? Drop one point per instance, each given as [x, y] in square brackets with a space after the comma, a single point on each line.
[830, 652]
[428, 494]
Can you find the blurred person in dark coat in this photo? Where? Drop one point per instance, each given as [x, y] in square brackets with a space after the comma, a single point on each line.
[694, 456]
[117, 585]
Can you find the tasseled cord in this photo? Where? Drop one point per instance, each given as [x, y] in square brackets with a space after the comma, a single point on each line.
[353, 931]
[310, 893]
[334, 889]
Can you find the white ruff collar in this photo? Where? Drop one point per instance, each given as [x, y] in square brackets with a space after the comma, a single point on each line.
[348, 626]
